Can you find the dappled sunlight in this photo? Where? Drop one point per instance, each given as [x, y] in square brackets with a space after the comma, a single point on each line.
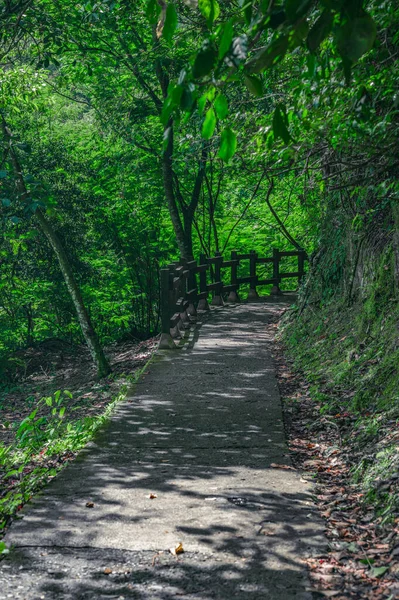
[211, 450]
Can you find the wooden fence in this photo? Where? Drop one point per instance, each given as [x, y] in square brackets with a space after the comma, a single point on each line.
[185, 286]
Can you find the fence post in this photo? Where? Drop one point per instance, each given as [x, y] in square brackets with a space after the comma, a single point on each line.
[217, 300]
[233, 296]
[203, 302]
[301, 265]
[192, 285]
[166, 342]
[275, 291]
[252, 294]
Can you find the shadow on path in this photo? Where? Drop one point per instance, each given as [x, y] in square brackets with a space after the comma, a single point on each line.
[203, 432]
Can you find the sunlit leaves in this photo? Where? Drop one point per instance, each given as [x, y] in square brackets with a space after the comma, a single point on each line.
[221, 106]
[209, 124]
[175, 94]
[210, 10]
[226, 39]
[228, 144]
[170, 24]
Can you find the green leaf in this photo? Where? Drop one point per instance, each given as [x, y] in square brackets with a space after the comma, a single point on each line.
[166, 137]
[170, 24]
[153, 11]
[295, 9]
[248, 12]
[221, 106]
[204, 61]
[301, 29]
[210, 10]
[254, 85]
[228, 144]
[209, 124]
[3, 174]
[226, 39]
[11, 473]
[280, 125]
[268, 57]
[378, 571]
[356, 37]
[320, 30]
[312, 65]
[187, 99]
[3, 548]
[202, 102]
[6, 202]
[167, 110]
[62, 412]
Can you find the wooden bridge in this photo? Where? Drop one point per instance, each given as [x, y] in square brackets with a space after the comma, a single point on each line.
[185, 286]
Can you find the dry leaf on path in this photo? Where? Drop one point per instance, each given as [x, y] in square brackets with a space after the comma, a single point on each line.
[90, 504]
[178, 549]
[107, 571]
[152, 496]
[286, 467]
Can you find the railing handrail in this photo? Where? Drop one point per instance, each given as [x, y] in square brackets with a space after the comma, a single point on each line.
[182, 295]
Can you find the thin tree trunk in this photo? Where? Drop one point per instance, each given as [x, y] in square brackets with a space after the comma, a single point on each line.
[89, 334]
[167, 174]
[283, 228]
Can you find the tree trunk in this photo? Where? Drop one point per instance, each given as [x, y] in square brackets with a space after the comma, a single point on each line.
[184, 244]
[89, 334]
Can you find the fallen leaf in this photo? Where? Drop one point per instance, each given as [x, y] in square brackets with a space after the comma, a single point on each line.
[378, 571]
[90, 504]
[267, 532]
[178, 549]
[107, 571]
[152, 496]
[286, 467]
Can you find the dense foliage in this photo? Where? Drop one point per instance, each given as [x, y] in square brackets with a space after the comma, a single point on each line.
[136, 135]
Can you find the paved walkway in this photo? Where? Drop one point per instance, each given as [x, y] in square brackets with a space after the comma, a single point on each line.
[200, 431]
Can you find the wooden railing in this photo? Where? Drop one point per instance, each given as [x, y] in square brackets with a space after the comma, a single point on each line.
[185, 286]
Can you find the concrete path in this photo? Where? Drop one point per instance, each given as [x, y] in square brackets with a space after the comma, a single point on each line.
[200, 431]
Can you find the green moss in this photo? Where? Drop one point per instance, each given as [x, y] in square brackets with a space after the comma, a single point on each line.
[350, 354]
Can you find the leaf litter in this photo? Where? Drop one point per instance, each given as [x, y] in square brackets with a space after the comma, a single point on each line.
[362, 557]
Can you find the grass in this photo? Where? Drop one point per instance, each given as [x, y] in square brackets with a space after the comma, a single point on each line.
[44, 445]
[47, 439]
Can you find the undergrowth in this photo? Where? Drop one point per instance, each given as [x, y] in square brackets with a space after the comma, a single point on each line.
[349, 352]
[44, 444]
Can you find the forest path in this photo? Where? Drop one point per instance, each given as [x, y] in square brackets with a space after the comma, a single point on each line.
[201, 431]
